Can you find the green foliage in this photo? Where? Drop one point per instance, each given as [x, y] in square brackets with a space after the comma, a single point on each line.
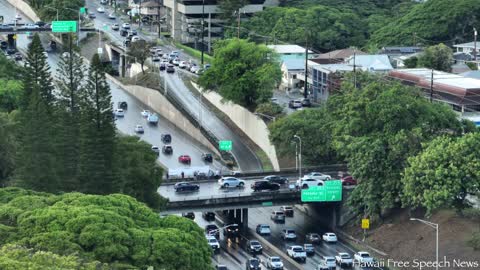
[7, 148]
[472, 66]
[140, 50]
[242, 72]
[194, 53]
[66, 9]
[229, 8]
[9, 70]
[474, 241]
[271, 109]
[411, 62]
[10, 94]
[438, 57]
[471, 213]
[444, 173]
[110, 229]
[431, 22]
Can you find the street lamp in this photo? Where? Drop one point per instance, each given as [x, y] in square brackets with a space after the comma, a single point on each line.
[435, 226]
[299, 155]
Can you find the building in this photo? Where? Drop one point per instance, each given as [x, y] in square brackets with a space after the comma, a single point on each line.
[371, 62]
[467, 47]
[462, 93]
[151, 9]
[324, 79]
[399, 51]
[399, 61]
[290, 51]
[292, 70]
[184, 17]
[337, 56]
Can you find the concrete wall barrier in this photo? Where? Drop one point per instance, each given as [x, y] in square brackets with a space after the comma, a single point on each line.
[254, 127]
[25, 9]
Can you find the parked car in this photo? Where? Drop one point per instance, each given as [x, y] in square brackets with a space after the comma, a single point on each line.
[319, 176]
[232, 230]
[263, 229]
[166, 138]
[313, 238]
[329, 237]
[185, 159]
[254, 247]
[288, 210]
[208, 215]
[126, 26]
[278, 216]
[189, 215]
[348, 181]
[167, 149]
[260, 185]
[309, 249]
[297, 253]
[294, 104]
[276, 179]
[139, 129]
[115, 27]
[343, 259]
[274, 263]
[170, 68]
[145, 113]
[288, 234]
[185, 186]
[306, 182]
[329, 261]
[213, 243]
[156, 149]
[253, 264]
[363, 257]
[119, 113]
[230, 182]
[207, 157]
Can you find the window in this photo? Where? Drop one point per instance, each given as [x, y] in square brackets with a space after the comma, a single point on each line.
[294, 76]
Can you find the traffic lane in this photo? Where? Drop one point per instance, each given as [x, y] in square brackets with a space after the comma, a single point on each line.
[246, 159]
[302, 224]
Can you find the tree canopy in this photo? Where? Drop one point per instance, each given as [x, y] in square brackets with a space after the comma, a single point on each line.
[438, 57]
[113, 229]
[242, 72]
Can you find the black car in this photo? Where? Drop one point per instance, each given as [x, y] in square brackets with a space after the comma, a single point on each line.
[53, 45]
[306, 102]
[163, 66]
[232, 230]
[207, 157]
[189, 215]
[166, 138]
[167, 149]
[309, 249]
[208, 215]
[276, 179]
[170, 68]
[11, 51]
[253, 264]
[185, 186]
[123, 32]
[221, 267]
[3, 45]
[126, 43]
[264, 185]
[212, 229]
[18, 56]
[40, 24]
[122, 105]
[254, 247]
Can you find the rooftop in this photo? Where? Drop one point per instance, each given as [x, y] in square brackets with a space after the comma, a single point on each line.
[340, 54]
[334, 67]
[294, 64]
[291, 48]
[371, 62]
[467, 45]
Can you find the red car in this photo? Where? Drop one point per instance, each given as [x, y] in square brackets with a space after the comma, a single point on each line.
[185, 159]
[348, 181]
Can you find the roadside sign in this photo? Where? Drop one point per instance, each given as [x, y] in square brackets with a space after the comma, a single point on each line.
[100, 50]
[225, 145]
[105, 27]
[267, 203]
[15, 36]
[82, 10]
[365, 223]
[64, 26]
[330, 192]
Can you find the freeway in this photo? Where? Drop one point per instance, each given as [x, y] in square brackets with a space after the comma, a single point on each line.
[246, 158]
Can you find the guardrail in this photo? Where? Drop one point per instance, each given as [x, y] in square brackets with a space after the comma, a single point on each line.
[273, 194]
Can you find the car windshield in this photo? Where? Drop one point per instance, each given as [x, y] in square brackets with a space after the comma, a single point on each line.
[345, 256]
[265, 227]
[308, 246]
[275, 259]
[365, 255]
[290, 231]
[211, 240]
[254, 243]
[329, 260]
[297, 249]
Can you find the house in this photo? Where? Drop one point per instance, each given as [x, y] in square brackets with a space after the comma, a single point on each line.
[337, 56]
[461, 93]
[371, 62]
[399, 51]
[292, 69]
[399, 61]
[467, 47]
[324, 79]
[290, 51]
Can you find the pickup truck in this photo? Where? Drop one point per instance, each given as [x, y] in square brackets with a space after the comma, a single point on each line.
[344, 259]
[363, 257]
[297, 253]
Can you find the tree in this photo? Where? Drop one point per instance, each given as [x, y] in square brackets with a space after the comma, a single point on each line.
[230, 8]
[270, 109]
[10, 94]
[140, 50]
[438, 57]
[411, 62]
[443, 173]
[97, 133]
[242, 72]
[7, 148]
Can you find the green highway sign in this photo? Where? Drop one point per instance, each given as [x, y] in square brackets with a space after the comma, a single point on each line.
[330, 192]
[64, 26]
[82, 10]
[225, 145]
[267, 203]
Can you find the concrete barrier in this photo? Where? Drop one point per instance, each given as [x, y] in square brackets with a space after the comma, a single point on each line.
[254, 127]
[25, 9]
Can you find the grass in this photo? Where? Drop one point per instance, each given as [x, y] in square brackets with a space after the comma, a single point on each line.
[194, 53]
[262, 156]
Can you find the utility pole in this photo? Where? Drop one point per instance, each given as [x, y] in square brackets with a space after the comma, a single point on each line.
[238, 22]
[354, 69]
[203, 30]
[158, 18]
[305, 87]
[431, 87]
[475, 44]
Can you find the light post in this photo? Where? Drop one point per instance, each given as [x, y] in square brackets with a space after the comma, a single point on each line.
[435, 226]
[299, 155]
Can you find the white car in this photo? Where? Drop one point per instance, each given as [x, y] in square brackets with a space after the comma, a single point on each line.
[344, 260]
[229, 182]
[145, 113]
[306, 183]
[126, 26]
[263, 229]
[159, 52]
[111, 16]
[274, 263]
[139, 129]
[329, 261]
[288, 234]
[319, 176]
[135, 38]
[156, 149]
[183, 64]
[194, 68]
[329, 237]
[176, 61]
[115, 27]
[100, 10]
[119, 113]
[363, 257]
[297, 253]
[213, 242]
[65, 55]
[18, 17]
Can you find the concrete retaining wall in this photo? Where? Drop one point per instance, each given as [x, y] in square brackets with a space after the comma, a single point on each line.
[254, 127]
[25, 9]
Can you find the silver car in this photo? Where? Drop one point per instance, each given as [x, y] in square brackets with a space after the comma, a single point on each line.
[229, 182]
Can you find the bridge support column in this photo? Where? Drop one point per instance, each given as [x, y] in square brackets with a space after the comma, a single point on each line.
[238, 215]
[122, 65]
[231, 214]
[244, 219]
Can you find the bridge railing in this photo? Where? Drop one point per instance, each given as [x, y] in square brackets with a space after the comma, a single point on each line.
[227, 195]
